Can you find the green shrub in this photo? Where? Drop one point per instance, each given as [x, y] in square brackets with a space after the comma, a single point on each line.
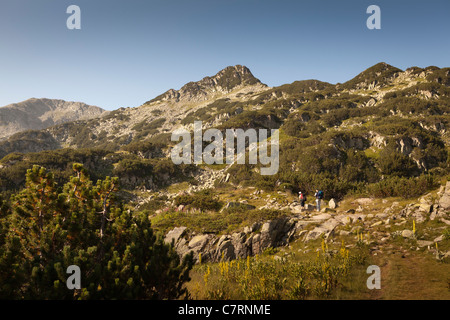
[204, 200]
[402, 187]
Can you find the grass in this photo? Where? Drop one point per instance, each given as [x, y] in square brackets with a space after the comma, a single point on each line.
[328, 273]
[372, 153]
[177, 187]
[316, 270]
[408, 272]
[413, 277]
[226, 221]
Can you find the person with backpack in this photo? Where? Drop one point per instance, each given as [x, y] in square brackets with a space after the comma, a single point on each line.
[302, 198]
[319, 197]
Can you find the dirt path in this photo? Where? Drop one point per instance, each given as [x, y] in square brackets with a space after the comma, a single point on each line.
[410, 276]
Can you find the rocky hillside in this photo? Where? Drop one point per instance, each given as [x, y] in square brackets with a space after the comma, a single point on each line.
[385, 122]
[35, 114]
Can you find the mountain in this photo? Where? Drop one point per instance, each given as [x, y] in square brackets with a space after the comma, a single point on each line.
[35, 114]
[226, 80]
[378, 146]
[381, 73]
[155, 117]
[396, 121]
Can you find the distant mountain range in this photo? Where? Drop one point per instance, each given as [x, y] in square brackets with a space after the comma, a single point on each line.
[36, 114]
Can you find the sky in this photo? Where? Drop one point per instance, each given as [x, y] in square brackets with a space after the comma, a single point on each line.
[128, 52]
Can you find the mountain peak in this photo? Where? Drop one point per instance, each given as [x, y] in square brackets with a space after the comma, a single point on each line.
[235, 75]
[226, 80]
[377, 74]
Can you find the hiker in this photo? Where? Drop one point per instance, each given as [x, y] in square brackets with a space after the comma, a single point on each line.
[319, 197]
[302, 199]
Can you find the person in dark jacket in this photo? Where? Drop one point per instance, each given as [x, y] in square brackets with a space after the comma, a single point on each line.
[319, 197]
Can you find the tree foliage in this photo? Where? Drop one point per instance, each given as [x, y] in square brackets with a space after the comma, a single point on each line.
[47, 228]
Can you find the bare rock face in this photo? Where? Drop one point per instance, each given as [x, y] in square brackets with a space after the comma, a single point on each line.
[36, 114]
[408, 144]
[175, 234]
[377, 140]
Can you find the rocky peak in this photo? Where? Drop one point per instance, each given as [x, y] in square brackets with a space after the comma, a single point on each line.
[224, 81]
[377, 75]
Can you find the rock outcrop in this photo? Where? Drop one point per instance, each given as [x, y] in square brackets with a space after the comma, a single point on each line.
[310, 226]
[444, 201]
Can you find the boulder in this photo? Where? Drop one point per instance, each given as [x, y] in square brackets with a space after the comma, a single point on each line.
[225, 250]
[407, 234]
[175, 234]
[444, 202]
[332, 204]
[181, 247]
[326, 229]
[315, 233]
[424, 243]
[199, 242]
[240, 247]
[382, 215]
[296, 209]
[418, 216]
[330, 224]
[256, 243]
[433, 215]
[426, 207]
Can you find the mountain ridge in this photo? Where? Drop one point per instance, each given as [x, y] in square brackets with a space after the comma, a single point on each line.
[40, 113]
[235, 98]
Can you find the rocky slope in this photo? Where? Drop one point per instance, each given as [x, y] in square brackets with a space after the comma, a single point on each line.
[380, 221]
[157, 116]
[35, 114]
[234, 93]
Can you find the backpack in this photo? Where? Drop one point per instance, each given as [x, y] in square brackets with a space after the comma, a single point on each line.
[320, 194]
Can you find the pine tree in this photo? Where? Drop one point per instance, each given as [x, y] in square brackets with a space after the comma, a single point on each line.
[48, 228]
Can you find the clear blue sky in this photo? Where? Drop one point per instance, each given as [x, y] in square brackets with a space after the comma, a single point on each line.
[128, 52]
